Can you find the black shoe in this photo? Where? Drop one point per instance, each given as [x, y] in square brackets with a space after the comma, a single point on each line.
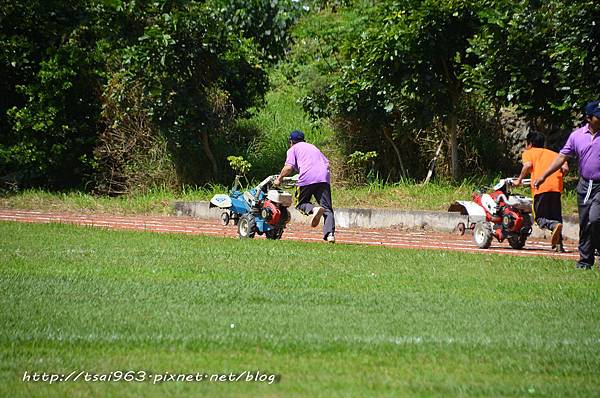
[581, 265]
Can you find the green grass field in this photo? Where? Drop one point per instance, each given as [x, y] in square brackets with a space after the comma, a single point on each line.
[342, 320]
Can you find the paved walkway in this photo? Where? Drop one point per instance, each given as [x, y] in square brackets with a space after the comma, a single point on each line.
[415, 239]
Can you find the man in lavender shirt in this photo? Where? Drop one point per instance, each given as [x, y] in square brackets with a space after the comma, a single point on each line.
[584, 143]
[313, 167]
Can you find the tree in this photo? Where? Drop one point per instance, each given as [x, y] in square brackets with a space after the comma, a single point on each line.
[196, 74]
[406, 72]
[417, 65]
[51, 79]
[540, 57]
[64, 61]
[266, 22]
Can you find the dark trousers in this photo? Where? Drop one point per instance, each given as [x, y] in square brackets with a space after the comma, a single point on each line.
[589, 221]
[322, 193]
[548, 210]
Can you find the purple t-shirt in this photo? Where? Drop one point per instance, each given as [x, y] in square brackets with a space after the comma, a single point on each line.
[312, 165]
[586, 147]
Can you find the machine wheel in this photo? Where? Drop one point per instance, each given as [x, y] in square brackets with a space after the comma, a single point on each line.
[247, 226]
[286, 216]
[483, 234]
[527, 224]
[517, 242]
[274, 233]
[460, 228]
[225, 218]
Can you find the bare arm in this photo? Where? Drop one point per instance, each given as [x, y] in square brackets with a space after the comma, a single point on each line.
[557, 164]
[524, 172]
[565, 168]
[285, 171]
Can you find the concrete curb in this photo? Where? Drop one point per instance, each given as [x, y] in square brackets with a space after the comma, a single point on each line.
[380, 218]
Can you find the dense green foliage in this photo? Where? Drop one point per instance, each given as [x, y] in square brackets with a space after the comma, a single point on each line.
[540, 56]
[51, 78]
[124, 94]
[442, 68]
[70, 66]
[335, 321]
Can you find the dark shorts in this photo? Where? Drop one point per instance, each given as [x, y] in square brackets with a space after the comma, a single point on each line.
[547, 206]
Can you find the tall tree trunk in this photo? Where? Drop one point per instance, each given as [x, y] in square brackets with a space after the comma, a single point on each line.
[208, 153]
[432, 164]
[388, 135]
[452, 128]
[455, 88]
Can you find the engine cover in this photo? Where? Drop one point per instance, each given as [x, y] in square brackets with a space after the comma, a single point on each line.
[271, 213]
[511, 220]
[281, 197]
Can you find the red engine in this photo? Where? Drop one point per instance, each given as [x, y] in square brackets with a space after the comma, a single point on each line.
[274, 214]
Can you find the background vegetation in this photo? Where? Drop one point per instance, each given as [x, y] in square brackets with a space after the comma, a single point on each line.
[405, 195]
[117, 96]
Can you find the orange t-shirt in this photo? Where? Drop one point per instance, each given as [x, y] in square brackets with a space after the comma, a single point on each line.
[541, 159]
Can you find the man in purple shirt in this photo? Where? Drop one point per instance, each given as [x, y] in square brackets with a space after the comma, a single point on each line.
[584, 144]
[313, 167]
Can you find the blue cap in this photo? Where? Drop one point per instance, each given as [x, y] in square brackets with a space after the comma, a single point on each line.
[296, 136]
[592, 109]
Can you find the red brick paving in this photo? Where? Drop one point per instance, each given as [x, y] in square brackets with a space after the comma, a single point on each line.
[420, 239]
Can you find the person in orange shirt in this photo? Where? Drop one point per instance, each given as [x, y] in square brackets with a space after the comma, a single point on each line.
[546, 198]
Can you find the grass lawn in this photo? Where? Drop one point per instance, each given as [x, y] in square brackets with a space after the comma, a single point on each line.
[436, 196]
[330, 320]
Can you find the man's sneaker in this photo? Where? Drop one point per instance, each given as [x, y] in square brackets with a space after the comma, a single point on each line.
[331, 238]
[316, 214]
[581, 265]
[556, 234]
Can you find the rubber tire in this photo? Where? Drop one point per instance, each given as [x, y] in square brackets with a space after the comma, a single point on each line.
[225, 218]
[517, 242]
[460, 228]
[483, 234]
[286, 216]
[247, 226]
[274, 234]
[527, 223]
